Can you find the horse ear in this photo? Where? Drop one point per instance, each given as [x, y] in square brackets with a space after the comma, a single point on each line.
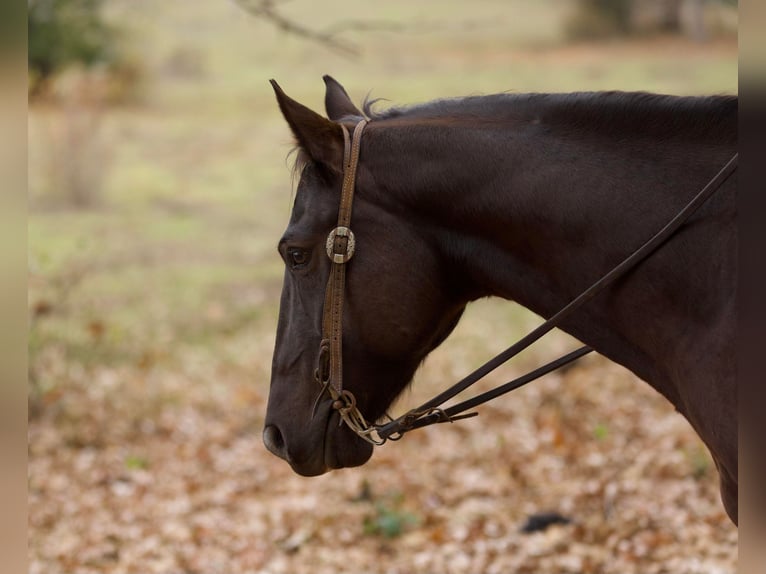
[337, 102]
[320, 138]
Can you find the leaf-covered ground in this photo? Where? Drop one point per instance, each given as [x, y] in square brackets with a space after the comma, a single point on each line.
[163, 471]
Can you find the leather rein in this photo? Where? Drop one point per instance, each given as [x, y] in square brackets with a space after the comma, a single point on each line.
[340, 247]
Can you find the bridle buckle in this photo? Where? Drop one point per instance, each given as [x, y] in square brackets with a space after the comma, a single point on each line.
[336, 250]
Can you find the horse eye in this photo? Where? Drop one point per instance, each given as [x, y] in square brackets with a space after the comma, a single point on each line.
[297, 257]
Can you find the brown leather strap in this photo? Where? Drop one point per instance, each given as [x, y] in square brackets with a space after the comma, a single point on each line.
[340, 248]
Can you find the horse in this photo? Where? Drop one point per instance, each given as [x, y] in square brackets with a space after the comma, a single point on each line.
[525, 196]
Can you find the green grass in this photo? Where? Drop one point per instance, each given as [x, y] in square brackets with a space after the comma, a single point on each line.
[194, 186]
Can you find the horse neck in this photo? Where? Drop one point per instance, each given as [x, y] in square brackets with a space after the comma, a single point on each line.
[535, 213]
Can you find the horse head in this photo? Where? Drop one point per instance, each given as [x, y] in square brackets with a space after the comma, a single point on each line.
[397, 306]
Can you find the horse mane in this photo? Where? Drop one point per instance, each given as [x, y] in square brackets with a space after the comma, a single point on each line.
[628, 114]
[606, 111]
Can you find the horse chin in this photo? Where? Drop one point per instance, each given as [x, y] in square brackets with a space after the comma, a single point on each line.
[342, 447]
[339, 448]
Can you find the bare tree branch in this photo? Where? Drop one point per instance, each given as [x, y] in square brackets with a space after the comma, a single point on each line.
[268, 10]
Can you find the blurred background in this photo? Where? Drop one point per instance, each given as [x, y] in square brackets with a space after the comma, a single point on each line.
[159, 185]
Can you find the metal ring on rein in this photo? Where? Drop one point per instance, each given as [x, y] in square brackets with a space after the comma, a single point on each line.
[345, 404]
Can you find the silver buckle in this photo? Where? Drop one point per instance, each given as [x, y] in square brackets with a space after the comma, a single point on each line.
[335, 256]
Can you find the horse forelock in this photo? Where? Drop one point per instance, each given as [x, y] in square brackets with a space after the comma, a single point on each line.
[302, 159]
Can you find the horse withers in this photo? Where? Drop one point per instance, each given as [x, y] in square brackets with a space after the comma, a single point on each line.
[528, 197]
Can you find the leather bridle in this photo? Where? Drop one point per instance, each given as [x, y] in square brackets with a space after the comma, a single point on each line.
[340, 247]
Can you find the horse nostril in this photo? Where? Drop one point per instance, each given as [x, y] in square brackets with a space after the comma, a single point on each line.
[274, 442]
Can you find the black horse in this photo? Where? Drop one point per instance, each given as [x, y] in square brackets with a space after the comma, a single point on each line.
[529, 197]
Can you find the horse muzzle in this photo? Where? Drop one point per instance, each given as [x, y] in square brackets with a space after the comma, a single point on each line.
[318, 447]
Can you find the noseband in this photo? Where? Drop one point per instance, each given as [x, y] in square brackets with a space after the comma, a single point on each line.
[340, 248]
